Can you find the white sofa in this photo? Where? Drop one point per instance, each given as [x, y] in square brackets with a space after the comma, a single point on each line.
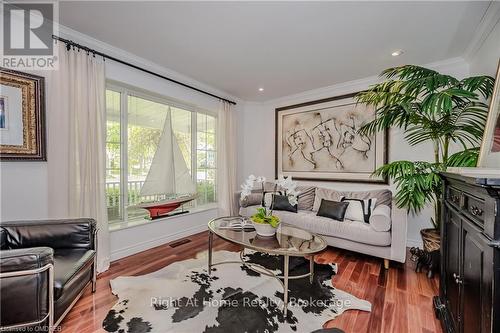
[386, 240]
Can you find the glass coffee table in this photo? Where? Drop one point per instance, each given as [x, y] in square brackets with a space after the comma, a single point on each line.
[288, 242]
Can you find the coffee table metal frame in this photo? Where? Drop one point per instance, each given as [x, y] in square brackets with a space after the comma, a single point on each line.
[261, 269]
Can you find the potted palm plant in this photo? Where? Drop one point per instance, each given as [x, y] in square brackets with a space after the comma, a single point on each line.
[429, 107]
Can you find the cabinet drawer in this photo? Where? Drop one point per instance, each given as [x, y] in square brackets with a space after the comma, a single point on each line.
[454, 196]
[474, 208]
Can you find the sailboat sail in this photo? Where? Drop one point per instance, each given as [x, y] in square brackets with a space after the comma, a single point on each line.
[168, 173]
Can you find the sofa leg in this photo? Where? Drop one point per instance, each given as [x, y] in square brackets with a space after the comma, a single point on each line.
[386, 263]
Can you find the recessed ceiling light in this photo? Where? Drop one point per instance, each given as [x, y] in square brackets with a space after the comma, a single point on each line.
[397, 53]
[261, 89]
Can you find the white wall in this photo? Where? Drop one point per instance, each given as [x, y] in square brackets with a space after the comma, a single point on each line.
[23, 190]
[258, 130]
[484, 60]
[125, 242]
[23, 185]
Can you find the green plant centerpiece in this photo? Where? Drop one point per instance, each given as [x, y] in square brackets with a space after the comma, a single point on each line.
[264, 221]
[262, 217]
[429, 107]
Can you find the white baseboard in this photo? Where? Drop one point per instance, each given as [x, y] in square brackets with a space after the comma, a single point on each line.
[139, 247]
[414, 243]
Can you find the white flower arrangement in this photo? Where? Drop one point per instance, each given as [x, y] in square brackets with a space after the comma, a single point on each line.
[248, 185]
[287, 184]
[263, 217]
[290, 188]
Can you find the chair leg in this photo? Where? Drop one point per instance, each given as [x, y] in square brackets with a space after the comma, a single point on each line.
[386, 263]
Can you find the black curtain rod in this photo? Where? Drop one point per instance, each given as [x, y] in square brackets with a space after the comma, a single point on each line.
[70, 43]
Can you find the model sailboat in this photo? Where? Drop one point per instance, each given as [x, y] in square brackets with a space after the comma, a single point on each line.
[168, 175]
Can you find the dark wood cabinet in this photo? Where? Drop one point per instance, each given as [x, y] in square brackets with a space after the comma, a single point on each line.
[452, 264]
[470, 251]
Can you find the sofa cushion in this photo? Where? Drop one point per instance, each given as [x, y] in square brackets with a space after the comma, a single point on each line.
[248, 210]
[351, 230]
[327, 194]
[380, 220]
[359, 209]
[280, 202]
[333, 209]
[268, 198]
[251, 200]
[384, 197]
[68, 263]
[306, 197]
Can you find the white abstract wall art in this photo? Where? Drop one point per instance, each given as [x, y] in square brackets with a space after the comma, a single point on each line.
[320, 140]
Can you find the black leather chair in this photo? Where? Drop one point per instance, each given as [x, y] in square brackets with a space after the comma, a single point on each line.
[45, 266]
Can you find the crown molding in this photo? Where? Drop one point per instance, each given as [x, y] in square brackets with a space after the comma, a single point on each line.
[446, 65]
[490, 19]
[121, 54]
[339, 88]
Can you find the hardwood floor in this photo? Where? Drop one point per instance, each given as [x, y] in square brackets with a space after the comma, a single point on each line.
[401, 299]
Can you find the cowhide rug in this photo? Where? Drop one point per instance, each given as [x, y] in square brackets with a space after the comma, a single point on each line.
[182, 297]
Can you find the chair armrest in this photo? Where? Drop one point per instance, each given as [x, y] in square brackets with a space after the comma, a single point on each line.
[67, 233]
[25, 259]
[25, 277]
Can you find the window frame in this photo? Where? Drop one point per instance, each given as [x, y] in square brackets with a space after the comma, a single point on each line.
[125, 91]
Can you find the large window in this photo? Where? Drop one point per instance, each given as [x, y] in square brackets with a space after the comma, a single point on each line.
[135, 123]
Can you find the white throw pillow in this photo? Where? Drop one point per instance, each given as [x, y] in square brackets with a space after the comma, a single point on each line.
[359, 209]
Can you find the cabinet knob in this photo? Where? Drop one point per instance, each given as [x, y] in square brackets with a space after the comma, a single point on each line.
[476, 211]
[458, 280]
[455, 275]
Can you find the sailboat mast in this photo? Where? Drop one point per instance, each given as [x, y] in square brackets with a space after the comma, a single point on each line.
[169, 115]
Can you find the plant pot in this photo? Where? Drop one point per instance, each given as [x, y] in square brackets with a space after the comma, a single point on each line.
[431, 239]
[264, 229]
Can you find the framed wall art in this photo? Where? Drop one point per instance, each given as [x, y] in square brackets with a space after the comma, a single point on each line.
[319, 140]
[489, 156]
[22, 118]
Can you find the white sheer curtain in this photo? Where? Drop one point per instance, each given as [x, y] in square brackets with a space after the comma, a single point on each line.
[77, 142]
[226, 160]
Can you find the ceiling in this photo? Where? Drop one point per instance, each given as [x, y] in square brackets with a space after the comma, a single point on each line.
[283, 47]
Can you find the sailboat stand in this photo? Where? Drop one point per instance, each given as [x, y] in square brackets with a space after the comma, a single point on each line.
[166, 208]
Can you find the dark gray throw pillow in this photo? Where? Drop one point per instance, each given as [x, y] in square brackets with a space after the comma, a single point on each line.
[268, 194]
[332, 209]
[281, 203]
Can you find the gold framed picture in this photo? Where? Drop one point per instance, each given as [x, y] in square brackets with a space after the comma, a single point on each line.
[489, 156]
[22, 116]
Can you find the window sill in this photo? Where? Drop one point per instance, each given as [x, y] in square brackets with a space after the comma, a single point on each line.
[139, 221]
